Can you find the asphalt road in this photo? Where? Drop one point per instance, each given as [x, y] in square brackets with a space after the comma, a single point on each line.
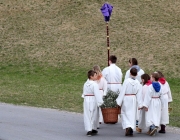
[30, 123]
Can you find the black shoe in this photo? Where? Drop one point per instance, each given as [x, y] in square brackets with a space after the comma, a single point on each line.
[162, 129]
[89, 133]
[128, 130]
[94, 132]
[131, 132]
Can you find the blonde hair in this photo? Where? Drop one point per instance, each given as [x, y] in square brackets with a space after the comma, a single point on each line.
[97, 69]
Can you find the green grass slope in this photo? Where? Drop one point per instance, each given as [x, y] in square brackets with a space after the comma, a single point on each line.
[73, 32]
[47, 46]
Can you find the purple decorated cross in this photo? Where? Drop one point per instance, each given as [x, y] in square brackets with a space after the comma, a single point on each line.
[106, 10]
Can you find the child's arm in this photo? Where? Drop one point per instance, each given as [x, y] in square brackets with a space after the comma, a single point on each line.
[120, 98]
[97, 94]
[83, 92]
[162, 101]
[139, 96]
[169, 93]
[147, 98]
[104, 87]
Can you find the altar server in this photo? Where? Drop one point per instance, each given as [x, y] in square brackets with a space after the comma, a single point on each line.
[142, 118]
[133, 63]
[92, 100]
[113, 75]
[153, 103]
[129, 98]
[167, 98]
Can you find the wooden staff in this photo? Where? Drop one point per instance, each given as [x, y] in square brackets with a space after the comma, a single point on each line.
[108, 48]
[106, 11]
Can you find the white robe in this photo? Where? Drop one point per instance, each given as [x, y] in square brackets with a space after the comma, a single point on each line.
[167, 97]
[102, 83]
[138, 77]
[154, 105]
[142, 117]
[113, 76]
[91, 104]
[129, 103]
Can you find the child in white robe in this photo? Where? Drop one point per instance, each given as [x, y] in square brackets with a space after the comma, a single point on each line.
[167, 97]
[142, 119]
[128, 98]
[153, 103]
[92, 100]
[133, 63]
[113, 75]
[102, 83]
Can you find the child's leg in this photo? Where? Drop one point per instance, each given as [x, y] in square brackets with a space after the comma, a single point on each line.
[87, 117]
[95, 118]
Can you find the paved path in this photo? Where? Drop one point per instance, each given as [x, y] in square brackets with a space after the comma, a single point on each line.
[30, 123]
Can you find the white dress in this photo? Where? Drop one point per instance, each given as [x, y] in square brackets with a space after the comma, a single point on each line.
[128, 102]
[102, 83]
[92, 100]
[154, 102]
[167, 97]
[113, 76]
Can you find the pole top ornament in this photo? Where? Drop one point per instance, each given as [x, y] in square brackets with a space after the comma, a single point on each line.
[106, 11]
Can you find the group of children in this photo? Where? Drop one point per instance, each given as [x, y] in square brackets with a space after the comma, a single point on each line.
[143, 99]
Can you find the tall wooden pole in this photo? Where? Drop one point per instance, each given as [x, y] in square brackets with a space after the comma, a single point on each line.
[108, 48]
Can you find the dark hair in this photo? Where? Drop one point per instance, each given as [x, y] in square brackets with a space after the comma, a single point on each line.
[91, 73]
[145, 77]
[113, 58]
[160, 74]
[133, 72]
[156, 76]
[133, 61]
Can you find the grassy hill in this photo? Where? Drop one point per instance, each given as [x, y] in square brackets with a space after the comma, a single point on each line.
[72, 32]
[47, 46]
